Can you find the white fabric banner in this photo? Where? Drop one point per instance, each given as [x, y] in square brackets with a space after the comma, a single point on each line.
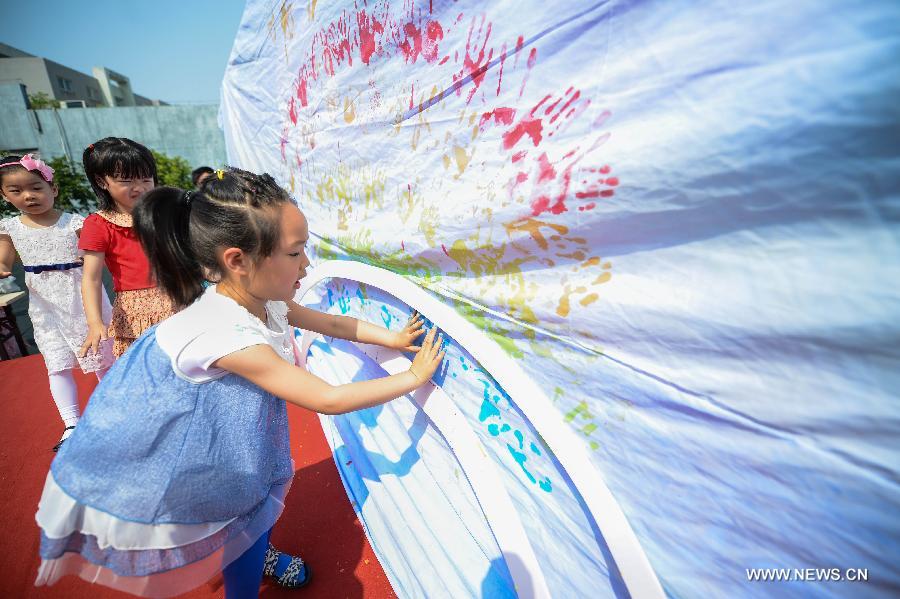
[679, 218]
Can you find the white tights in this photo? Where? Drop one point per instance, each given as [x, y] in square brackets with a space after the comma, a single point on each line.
[65, 395]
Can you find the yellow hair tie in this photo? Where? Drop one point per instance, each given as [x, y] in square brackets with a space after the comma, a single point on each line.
[220, 174]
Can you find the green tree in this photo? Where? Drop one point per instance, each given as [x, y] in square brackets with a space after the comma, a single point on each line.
[42, 100]
[173, 171]
[75, 193]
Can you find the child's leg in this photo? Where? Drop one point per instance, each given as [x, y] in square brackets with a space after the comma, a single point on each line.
[244, 575]
[65, 395]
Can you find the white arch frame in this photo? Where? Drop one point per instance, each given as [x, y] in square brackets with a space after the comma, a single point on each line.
[637, 573]
[480, 471]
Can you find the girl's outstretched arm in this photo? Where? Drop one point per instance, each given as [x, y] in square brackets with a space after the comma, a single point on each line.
[353, 329]
[7, 255]
[261, 365]
[91, 288]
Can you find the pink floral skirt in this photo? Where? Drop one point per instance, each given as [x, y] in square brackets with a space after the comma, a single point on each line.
[135, 311]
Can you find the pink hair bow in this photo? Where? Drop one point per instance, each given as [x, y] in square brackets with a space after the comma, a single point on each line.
[31, 163]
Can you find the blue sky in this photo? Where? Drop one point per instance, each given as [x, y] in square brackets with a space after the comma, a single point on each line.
[171, 50]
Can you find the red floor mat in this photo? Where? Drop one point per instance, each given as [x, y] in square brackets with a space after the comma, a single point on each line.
[318, 521]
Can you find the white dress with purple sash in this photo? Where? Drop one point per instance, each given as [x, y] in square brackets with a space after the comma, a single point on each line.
[53, 276]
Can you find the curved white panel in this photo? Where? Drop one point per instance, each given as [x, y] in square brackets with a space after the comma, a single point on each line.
[498, 508]
[637, 573]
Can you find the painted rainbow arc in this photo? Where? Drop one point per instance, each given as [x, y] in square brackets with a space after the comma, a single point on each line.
[631, 561]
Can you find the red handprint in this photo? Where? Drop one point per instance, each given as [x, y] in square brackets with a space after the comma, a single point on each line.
[551, 179]
[553, 182]
[598, 185]
[549, 115]
[475, 66]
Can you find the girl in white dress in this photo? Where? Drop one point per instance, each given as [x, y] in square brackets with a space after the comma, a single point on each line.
[46, 240]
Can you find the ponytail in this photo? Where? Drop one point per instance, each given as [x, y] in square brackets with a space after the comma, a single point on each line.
[162, 223]
[182, 232]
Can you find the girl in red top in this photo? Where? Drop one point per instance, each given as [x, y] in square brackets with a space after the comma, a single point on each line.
[120, 171]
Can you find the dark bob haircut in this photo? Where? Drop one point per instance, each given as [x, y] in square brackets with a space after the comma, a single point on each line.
[116, 157]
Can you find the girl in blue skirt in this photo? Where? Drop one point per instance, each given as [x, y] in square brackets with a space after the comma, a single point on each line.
[180, 465]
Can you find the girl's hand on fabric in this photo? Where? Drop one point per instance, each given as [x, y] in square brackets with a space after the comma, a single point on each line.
[414, 328]
[429, 357]
[96, 335]
[4, 274]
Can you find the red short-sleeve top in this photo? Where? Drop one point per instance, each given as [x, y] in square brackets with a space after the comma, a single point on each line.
[112, 234]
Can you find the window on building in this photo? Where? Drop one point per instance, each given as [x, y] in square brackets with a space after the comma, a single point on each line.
[65, 84]
[92, 94]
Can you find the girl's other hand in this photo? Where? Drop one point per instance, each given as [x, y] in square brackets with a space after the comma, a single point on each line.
[96, 335]
[429, 357]
[414, 328]
[4, 274]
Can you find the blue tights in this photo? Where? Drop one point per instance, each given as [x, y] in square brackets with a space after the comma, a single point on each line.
[244, 575]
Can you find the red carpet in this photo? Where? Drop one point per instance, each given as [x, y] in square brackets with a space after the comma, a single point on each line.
[318, 522]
